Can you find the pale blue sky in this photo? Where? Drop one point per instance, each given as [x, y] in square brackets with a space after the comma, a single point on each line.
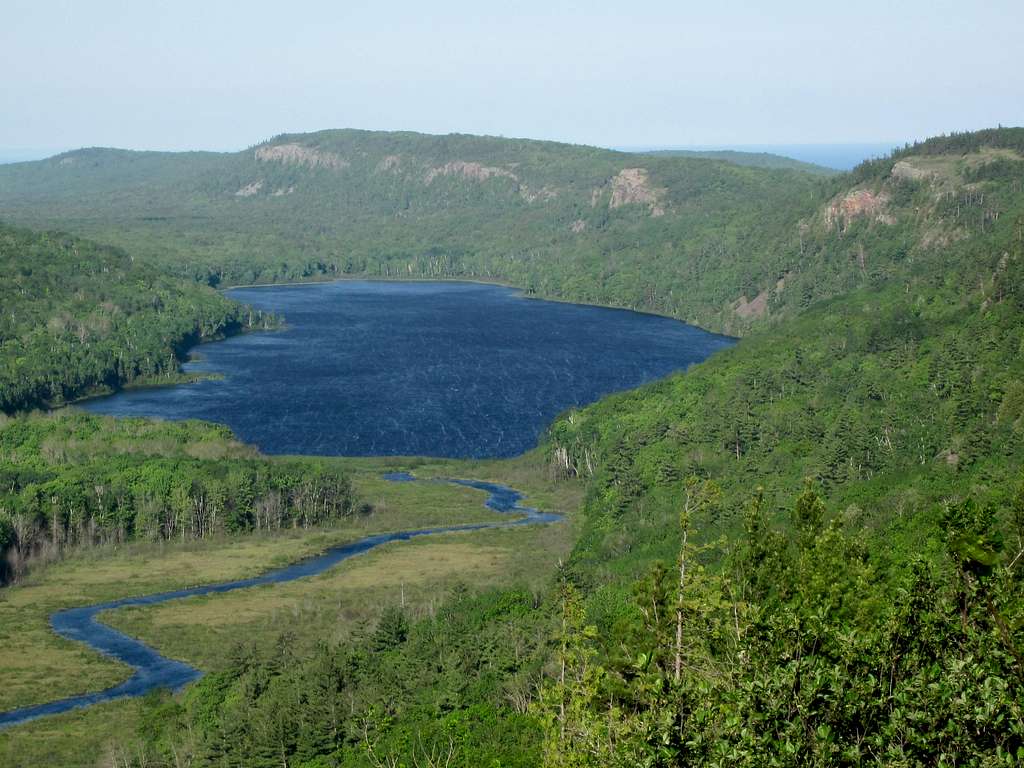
[219, 75]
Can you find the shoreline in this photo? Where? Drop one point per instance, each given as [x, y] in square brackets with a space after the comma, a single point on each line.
[184, 378]
[478, 281]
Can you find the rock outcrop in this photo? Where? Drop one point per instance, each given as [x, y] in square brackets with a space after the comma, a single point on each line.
[633, 186]
[468, 170]
[754, 308]
[856, 204]
[296, 154]
[253, 188]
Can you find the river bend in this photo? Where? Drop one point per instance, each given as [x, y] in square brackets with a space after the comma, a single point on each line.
[152, 670]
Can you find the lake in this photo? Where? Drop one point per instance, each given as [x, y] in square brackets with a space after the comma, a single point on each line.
[458, 370]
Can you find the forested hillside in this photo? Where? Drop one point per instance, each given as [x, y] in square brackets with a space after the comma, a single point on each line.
[703, 240]
[79, 317]
[753, 159]
[691, 238]
[846, 494]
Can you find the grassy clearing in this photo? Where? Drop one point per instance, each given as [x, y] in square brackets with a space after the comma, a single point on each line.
[72, 740]
[203, 630]
[39, 666]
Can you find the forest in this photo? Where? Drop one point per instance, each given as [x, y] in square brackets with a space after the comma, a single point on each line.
[79, 318]
[678, 235]
[73, 480]
[807, 550]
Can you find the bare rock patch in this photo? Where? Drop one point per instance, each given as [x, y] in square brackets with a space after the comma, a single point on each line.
[633, 186]
[856, 204]
[389, 163]
[296, 154]
[250, 189]
[755, 308]
[467, 170]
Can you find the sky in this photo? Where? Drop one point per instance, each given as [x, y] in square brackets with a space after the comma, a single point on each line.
[148, 74]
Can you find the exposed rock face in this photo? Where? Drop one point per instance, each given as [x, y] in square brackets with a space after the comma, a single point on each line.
[250, 189]
[283, 191]
[471, 171]
[633, 185]
[296, 154]
[479, 172]
[855, 204]
[754, 308]
[904, 171]
[578, 226]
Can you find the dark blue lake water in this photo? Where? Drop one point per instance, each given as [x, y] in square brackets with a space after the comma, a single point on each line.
[440, 369]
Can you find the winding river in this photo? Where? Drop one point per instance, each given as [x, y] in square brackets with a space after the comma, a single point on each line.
[155, 671]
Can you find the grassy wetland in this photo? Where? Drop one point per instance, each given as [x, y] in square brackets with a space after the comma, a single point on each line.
[419, 575]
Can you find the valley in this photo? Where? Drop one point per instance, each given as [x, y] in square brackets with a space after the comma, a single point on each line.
[206, 631]
[804, 549]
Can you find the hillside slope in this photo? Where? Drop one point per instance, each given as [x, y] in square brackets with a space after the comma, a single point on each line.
[79, 317]
[863, 466]
[912, 376]
[679, 236]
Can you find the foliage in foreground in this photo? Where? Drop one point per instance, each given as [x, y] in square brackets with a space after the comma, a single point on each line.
[785, 648]
[880, 624]
[792, 653]
[452, 690]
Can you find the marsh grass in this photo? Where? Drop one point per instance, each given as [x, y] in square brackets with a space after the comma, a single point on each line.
[39, 666]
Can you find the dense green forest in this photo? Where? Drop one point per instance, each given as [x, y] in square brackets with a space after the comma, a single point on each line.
[72, 479]
[680, 236]
[846, 490]
[79, 317]
[807, 550]
[454, 689]
[702, 240]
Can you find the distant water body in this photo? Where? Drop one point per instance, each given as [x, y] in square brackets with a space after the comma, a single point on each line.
[841, 157]
[440, 369]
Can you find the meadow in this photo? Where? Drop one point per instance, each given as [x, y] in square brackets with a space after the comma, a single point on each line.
[39, 666]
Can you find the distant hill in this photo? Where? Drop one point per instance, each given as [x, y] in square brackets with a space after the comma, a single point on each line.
[21, 155]
[904, 386]
[678, 235]
[751, 159]
[726, 246]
